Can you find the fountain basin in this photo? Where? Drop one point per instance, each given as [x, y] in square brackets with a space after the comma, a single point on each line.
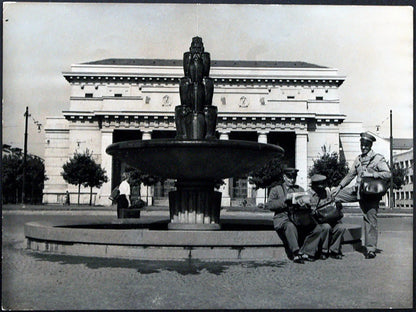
[195, 159]
[242, 238]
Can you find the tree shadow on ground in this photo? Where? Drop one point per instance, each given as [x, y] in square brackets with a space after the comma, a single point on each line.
[184, 267]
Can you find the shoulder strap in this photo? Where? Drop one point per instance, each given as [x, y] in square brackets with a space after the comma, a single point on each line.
[371, 159]
[283, 190]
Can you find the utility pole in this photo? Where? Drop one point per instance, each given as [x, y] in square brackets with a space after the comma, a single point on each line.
[24, 157]
[391, 161]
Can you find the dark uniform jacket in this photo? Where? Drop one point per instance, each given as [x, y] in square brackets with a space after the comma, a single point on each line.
[276, 202]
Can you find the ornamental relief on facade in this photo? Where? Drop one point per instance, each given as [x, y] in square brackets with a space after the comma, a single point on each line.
[166, 101]
[244, 102]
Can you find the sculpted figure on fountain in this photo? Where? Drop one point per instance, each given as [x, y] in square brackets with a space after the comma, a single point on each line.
[196, 117]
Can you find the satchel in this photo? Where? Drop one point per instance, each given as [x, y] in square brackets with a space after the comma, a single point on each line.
[372, 186]
[301, 215]
[115, 194]
[328, 213]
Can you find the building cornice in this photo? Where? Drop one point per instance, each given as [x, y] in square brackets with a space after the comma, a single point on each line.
[94, 78]
[227, 120]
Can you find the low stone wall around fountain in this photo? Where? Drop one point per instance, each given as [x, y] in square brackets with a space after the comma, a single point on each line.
[242, 239]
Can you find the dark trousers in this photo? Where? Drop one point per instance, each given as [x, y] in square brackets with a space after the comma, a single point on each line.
[331, 237]
[291, 235]
[122, 203]
[369, 206]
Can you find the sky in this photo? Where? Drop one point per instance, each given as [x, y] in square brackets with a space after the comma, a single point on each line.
[371, 45]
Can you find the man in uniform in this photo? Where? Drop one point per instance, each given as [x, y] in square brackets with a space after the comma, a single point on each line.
[280, 201]
[368, 164]
[332, 232]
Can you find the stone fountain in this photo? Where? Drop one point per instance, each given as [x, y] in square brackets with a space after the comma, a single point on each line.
[195, 158]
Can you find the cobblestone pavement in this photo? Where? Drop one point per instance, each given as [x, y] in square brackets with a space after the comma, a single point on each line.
[43, 282]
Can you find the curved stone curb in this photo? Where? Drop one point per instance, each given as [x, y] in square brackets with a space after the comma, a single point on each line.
[145, 243]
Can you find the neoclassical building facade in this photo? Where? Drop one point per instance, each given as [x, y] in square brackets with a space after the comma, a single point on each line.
[293, 104]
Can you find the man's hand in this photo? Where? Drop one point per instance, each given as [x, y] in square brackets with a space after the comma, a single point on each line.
[335, 191]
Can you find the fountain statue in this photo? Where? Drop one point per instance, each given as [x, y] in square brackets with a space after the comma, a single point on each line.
[195, 158]
[196, 117]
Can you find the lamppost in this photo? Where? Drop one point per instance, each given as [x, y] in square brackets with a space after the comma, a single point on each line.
[391, 160]
[24, 157]
[38, 124]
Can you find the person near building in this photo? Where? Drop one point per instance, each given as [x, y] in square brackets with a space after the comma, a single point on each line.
[282, 203]
[123, 200]
[67, 199]
[332, 231]
[367, 165]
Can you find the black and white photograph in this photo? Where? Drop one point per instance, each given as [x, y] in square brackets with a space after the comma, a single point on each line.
[181, 156]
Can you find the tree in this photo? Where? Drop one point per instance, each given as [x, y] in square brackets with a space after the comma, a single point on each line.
[137, 177]
[81, 169]
[330, 165]
[269, 175]
[399, 175]
[12, 177]
[96, 177]
[35, 178]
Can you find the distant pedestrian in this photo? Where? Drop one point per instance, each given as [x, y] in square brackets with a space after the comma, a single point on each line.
[67, 200]
[367, 165]
[123, 200]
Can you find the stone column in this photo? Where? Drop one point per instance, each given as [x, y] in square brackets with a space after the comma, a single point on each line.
[107, 164]
[225, 188]
[301, 158]
[260, 194]
[146, 193]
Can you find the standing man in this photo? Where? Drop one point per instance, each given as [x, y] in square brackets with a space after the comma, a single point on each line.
[368, 164]
[280, 201]
[333, 231]
[123, 200]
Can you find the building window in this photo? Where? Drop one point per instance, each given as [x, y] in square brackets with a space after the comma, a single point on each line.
[319, 98]
[88, 95]
[290, 97]
[118, 95]
[411, 179]
[407, 163]
[411, 195]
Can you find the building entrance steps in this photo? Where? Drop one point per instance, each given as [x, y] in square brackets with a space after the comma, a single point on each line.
[240, 238]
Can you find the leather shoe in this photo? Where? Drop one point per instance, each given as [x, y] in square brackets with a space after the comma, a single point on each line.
[298, 259]
[337, 256]
[308, 258]
[370, 255]
[323, 256]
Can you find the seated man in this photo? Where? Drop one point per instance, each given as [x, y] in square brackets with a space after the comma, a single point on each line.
[332, 231]
[280, 201]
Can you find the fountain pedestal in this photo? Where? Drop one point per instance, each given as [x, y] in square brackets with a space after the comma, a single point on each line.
[195, 205]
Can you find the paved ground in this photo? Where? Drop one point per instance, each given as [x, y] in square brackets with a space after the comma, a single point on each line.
[42, 282]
